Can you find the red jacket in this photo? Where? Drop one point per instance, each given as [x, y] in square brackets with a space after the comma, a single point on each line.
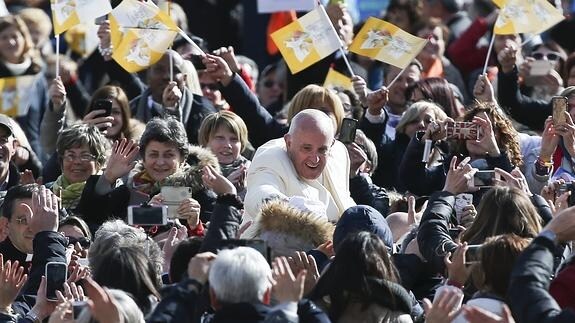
[463, 52]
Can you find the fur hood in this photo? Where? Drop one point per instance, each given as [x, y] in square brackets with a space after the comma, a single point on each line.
[287, 229]
[190, 172]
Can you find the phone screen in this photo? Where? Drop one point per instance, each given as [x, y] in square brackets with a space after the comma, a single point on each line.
[348, 130]
[472, 254]
[484, 178]
[56, 274]
[559, 108]
[146, 215]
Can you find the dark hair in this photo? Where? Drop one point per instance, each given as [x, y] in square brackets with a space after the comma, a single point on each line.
[165, 130]
[112, 92]
[82, 134]
[181, 258]
[360, 258]
[128, 268]
[17, 192]
[569, 63]
[497, 257]
[436, 90]
[413, 9]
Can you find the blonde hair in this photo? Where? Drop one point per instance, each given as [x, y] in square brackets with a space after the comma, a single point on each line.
[413, 112]
[315, 97]
[227, 119]
[35, 17]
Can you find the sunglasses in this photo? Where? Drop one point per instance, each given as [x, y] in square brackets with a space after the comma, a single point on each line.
[549, 56]
[84, 242]
[212, 86]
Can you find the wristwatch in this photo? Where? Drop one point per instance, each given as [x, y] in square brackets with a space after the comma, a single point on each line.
[548, 234]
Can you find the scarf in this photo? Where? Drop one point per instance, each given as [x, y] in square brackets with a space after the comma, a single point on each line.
[144, 183]
[69, 193]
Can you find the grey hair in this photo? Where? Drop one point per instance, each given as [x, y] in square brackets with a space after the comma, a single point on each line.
[165, 130]
[311, 118]
[129, 310]
[240, 275]
[413, 112]
[81, 134]
[115, 233]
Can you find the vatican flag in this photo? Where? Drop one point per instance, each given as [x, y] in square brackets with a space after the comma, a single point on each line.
[14, 94]
[141, 34]
[525, 16]
[386, 42]
[307, 40]
[336, 79]
[83, 39]
[68, 13]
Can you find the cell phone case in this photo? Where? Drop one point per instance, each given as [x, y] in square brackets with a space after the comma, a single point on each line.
[462, 130]
[173, 196]
[559, 108]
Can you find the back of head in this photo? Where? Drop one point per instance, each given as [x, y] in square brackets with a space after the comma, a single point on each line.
[129, 310]
[185, 251]
[504, 210]
[362, 218]
[240, 275]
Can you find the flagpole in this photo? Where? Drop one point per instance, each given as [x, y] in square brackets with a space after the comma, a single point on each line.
[397, 76]
[171, 56]
[57, 55]
[189, 40]
[341, 45]
[489, 52]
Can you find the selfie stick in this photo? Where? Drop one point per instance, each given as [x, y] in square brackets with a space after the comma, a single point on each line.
[426, 150]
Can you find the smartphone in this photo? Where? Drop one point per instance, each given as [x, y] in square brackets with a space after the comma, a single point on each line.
[348, 130]
[540, 68]
[485, 178]
[197, 62]
[147, 215]
[570, 186]
[101, 20]
[559, 104]
[103, 104]
[454, 233]
[257, 244]
[173, 196]
[462, 201]
[56, 274]
[462, 130]
[472, 254]
[78, 307]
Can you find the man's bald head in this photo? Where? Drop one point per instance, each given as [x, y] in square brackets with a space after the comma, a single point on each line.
[311, 135]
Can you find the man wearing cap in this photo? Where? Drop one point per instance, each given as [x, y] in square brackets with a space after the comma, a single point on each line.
[9, 175]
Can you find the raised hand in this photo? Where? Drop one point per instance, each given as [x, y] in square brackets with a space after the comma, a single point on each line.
[189, 210]
[122, 160]
[102, 123]
[12, 279]
[104, 33]
[303, 262]
[199, 266]
[102, 305]
[483, 90]
[57, 92]
[487, 140]
[456, 269]
[507, 57]
[216, 182]
[175, 236]
[43, 215]
[567, 131]
[360, 88]
[474, 314]
[172, 95]
[357, 157]
[227, 53]
[549, 141]
[514, 179]
[287, 287]
[444, 307]
[218, 69]
[238, 177]
[376, 100]
[459, 177]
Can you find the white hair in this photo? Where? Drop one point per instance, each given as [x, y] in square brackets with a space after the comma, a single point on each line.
[240, 275]
[129, 310]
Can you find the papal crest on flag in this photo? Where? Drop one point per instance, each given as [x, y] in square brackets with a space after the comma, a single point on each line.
[336, 79]
[141, 34]
[83, 39]
[68, 13]
[386, 42]
[525, 16]
[307, 40]
[14, 94]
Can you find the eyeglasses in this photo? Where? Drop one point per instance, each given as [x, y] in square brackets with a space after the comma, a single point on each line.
[212, 86]
[83, 158]
[549, 56]
[83, 241]
[21, 221]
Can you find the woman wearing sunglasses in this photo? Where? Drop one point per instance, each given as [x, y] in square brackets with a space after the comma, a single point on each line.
[541, 71]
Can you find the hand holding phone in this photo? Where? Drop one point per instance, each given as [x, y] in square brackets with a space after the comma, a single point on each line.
[103, 104]
[56, 274]
[348, 130]
[462, 130]
[472, 254]
[485, 178]
[173, 197]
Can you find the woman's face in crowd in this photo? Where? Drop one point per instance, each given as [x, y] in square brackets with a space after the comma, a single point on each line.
[11, 45]
[161, 159]
[78, 164]
[225, 145]
[270, 89]
[435, 47]
[420, 124]
[504, 41]
[546, 54]
[71, 231]
[116, 128]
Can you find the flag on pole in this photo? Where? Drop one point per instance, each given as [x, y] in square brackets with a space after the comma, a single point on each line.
[141, 34]
[386, 42]
[270, 6]
[336, 79]
[307, 40]
[526, 16]
[68, 13]
[83, 39]
[15, 94]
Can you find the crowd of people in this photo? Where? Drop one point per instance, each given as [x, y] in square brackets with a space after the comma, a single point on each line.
[220, 188]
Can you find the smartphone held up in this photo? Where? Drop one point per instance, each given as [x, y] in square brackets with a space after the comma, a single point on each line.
[559, 104]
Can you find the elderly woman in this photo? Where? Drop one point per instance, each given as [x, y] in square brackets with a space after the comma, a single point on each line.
[165, 153]
[82, 151]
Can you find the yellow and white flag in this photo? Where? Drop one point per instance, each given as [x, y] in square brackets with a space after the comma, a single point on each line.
[68, 13]
[83, 39]
[337, 79]
[307, 40]
[141, 34]
[386, 42]
[15, 94]
[525, 16]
